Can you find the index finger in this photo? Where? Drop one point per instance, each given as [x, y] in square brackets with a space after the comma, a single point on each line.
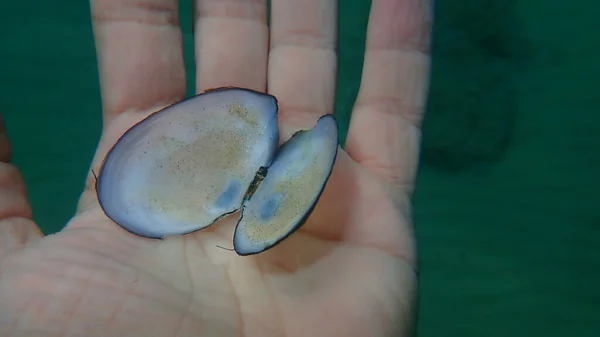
[385, 126]
[140, 54]
[16, 224]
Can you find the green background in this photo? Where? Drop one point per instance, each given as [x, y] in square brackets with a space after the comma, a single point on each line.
[507, 198]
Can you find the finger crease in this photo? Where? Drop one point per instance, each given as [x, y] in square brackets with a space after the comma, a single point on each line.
[389, 172]
[299, 115]
[254, 10]
[160, 13]
[414, 54]
[420, 46]
[11, 179]
[116, 18]
[19, 226]
[409, 113]
[304, 38]
[20, 212]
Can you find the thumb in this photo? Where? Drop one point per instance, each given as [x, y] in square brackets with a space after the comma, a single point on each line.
[16, 224]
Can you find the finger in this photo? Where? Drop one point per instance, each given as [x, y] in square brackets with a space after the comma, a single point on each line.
[302, 59]
[231, 43]
[384, 129]
[5, 150]
[140, 54]
[16, 224]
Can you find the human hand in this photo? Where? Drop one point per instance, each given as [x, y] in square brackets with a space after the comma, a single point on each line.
[349, 271]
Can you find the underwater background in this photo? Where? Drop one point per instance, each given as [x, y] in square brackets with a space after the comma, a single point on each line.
[506, 209]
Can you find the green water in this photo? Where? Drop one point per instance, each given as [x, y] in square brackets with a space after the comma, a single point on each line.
[506, 202]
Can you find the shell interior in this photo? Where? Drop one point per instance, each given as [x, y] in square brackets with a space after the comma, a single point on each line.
[290, 190]
[185, 167]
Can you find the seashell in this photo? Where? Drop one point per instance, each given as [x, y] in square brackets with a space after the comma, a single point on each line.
[187, 166]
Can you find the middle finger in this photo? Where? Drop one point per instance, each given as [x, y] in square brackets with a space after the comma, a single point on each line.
[302, 61]
[231, 44]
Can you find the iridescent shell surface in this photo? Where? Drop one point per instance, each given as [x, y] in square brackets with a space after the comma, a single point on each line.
[185, 167]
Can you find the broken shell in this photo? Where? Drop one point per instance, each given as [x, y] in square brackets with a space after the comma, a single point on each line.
[187, 166]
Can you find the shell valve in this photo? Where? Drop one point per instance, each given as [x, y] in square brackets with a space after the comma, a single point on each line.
[185, 167]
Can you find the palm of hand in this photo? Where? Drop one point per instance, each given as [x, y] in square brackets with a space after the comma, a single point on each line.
[347, 272]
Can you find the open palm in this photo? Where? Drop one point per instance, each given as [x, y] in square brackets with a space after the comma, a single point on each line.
[350, 271]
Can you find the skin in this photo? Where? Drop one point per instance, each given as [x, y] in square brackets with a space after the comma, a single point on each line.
[350, 271]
